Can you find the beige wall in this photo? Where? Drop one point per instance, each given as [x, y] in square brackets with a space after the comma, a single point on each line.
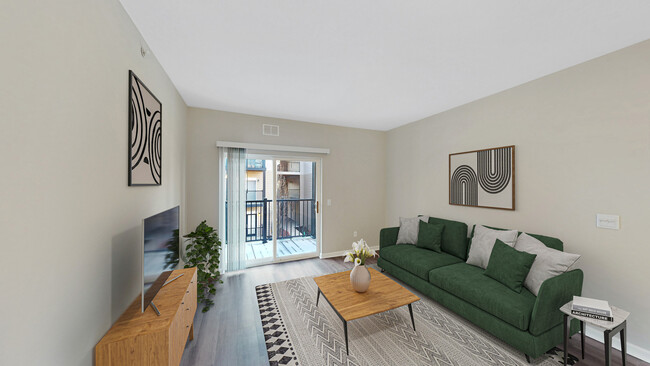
[582, 140]
[70, 224]
[353, 174]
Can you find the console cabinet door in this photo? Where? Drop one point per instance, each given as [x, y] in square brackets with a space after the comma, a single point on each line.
[177, 337]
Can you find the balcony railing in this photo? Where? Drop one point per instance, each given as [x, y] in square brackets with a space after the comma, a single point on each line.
[296, 218]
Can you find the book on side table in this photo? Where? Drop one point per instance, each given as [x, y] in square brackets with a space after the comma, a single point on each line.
[591, 308]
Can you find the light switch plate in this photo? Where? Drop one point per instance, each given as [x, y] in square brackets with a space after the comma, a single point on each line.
[608, 221]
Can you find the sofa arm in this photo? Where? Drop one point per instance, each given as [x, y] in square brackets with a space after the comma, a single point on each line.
[554, 293]
[388, 237]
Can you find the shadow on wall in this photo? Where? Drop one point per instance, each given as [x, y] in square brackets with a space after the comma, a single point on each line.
[126, 257]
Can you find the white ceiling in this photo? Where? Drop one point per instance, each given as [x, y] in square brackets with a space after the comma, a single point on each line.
[374, 64]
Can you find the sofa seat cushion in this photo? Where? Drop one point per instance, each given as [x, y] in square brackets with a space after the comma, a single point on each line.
[468, 283]
[418, 261]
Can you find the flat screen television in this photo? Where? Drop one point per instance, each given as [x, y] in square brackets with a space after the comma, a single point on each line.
[160, 243]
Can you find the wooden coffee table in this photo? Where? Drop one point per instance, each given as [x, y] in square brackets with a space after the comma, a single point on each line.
[382, 295]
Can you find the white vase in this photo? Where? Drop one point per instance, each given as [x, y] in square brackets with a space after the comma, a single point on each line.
[360, 278]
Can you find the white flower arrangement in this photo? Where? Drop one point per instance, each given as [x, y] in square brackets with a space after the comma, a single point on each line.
[359, 253]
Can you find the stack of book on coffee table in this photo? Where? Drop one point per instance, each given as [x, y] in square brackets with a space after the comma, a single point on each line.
[592, 308]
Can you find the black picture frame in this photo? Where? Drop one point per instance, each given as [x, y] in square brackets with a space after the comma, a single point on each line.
[145, 135]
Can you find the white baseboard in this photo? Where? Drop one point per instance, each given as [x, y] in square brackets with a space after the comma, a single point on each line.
[340, 253]
[632, 349]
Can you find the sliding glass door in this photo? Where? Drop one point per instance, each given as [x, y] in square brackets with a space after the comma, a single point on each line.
[296, 207]
[282, 209]
[259, 211]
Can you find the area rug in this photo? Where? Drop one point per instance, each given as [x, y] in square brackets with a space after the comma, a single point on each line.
[297, 332]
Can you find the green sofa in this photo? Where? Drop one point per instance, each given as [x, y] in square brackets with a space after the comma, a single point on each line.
[532, 324]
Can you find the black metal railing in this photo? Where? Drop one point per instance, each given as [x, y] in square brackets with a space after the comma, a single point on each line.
[296, 218]
[258, 220]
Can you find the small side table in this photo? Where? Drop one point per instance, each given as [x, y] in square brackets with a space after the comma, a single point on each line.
[610, 329]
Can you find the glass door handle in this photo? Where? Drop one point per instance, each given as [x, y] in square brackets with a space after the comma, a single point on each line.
[317, 207]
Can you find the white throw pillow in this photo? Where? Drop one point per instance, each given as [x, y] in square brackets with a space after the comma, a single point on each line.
[548, 263]
[409, 227]
[483, 243]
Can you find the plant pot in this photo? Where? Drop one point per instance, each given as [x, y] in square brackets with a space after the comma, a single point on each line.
[360, 278]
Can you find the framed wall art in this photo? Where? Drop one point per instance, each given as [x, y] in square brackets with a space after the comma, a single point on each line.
[483, 178]
[145, 135]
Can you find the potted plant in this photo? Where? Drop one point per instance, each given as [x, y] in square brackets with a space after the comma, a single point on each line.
[202, 251]
[360, 276]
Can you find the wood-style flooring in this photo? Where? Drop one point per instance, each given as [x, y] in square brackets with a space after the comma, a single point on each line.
[230, 334]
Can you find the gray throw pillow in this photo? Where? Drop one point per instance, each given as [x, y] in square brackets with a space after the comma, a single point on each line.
[483, 243]
[409, 228]
[548, 263]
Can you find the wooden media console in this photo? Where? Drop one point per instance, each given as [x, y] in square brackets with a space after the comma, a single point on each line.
[139, 338]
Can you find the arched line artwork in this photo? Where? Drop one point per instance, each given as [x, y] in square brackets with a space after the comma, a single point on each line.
[464, 186]
[483, 178]
[494, 169]
[145, 135]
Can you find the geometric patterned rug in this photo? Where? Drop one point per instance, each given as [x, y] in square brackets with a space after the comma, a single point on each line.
[299, 333]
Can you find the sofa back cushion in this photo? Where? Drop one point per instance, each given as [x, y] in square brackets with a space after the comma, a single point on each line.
[548, 263]
[430, 236]
[553, 243]
[409, 228]
[483, 243]
[454, 237]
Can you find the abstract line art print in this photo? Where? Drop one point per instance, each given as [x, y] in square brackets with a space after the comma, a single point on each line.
[145, 135]
[483, 178]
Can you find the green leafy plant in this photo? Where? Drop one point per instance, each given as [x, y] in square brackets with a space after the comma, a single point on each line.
[203, 251]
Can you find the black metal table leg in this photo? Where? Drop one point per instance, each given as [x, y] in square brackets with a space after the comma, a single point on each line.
[345, 330]
[412, 320]
[582, 338]
[623, 343]
[608, 347]
[566, 338]
[345, 323]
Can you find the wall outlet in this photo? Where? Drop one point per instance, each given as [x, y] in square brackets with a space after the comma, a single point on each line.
[329, 202]
[608, 221]
[354, 234]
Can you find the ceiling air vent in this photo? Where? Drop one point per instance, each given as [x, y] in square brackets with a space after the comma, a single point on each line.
[270, 130]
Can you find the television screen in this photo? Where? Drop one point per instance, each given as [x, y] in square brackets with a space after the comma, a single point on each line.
[161, 251]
